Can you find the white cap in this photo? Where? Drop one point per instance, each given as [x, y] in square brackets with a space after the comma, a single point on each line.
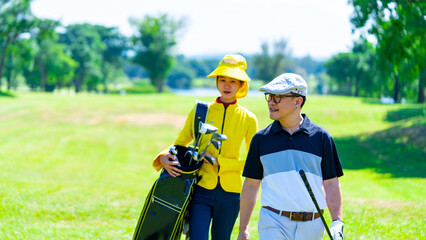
[286, 83]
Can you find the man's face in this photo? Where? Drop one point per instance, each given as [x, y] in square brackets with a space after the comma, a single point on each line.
[282, 106]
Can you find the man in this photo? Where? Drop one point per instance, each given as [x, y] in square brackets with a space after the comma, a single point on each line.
[277, 153]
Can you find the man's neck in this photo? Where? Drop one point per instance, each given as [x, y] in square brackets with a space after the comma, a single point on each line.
[292, 123]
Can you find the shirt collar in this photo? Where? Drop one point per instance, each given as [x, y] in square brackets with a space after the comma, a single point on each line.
[225, 104]
[304, 127]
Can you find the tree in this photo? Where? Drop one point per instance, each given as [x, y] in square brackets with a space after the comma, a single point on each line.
[181, 74]
[15, 18]
[20, 57]
[112, 55]
[154, 43]
[46, 38]
[400, 29]
[85, 47]
[271, 65]
[342, 68]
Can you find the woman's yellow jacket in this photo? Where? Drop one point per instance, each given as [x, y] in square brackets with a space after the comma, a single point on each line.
[238, 124]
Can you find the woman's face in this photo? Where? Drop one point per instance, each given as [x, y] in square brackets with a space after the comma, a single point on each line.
[228, 88]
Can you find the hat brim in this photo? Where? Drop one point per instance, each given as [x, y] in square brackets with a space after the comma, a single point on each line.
[281, 92]
[235, 73]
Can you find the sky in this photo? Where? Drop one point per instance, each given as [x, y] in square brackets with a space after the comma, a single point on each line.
[319, 28]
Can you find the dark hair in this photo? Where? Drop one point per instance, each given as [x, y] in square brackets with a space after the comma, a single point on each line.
[303, 97]
[304, 100]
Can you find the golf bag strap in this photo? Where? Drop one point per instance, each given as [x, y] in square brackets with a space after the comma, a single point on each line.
[200, 115]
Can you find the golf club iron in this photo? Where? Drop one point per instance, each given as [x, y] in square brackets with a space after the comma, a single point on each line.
[216, 140]
[204, 129]
[174, 152]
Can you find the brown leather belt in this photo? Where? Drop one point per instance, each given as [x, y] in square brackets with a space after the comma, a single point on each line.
[296, 216]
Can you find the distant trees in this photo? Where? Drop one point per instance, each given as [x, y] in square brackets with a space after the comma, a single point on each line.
[15, 18]
[112, 55]
[153, 44]
[271, 62]
[48, 56]
[353, 72]
[400, 29]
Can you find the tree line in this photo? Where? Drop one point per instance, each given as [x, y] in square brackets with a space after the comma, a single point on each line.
[86, 57]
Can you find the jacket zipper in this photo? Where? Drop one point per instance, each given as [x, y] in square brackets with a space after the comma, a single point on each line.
[223, 124]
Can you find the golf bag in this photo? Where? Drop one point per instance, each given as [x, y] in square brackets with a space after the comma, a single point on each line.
[165, 208]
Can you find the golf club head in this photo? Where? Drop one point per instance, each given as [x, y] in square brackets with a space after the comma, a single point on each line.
[189, 154]
[173, 150]
[195, 156]
[206, 128]
[219, 137]
[216, 144]
[210, 160]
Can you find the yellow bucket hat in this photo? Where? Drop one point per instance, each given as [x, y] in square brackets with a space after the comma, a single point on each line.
[233, 66]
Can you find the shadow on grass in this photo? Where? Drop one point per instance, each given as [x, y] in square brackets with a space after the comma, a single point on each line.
[399, 151]
[6, 94]
[405, 113]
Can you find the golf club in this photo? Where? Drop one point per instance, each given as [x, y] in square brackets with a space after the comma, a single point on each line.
[210, 159]
[308, 187]
[219, 137]
[216, 140]
[204, 128]
[216, 144]
[174, 152]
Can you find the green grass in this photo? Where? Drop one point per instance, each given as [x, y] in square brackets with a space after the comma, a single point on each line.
[79, 167]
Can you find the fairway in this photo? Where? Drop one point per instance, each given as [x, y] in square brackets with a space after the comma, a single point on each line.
[80, 167]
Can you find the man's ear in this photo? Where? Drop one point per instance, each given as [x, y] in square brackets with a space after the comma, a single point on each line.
[299, 101]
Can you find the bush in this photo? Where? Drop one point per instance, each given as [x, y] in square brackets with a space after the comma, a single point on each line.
[135, 90]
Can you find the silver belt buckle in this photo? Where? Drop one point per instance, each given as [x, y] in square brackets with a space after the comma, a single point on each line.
[291, 216]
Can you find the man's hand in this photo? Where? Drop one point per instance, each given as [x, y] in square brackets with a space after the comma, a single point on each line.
[243, 235]
[169, 162]
[336, 229]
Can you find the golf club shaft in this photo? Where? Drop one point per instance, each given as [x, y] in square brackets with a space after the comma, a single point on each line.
[308, 187]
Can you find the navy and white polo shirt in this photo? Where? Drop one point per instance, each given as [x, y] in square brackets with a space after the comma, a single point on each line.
[276, 157]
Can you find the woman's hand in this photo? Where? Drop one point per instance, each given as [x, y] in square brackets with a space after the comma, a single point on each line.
[169, 164]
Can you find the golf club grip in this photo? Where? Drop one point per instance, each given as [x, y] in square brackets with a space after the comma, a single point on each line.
[308, 186]
[311, 193]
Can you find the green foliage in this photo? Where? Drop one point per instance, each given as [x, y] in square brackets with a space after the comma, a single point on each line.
[399, 28]
[112, 56]
[80, 167]
[6, 94]
[135, 90]
[181, 74]
[85, 47]
[153, 43]
[15, 18]
[272, 62]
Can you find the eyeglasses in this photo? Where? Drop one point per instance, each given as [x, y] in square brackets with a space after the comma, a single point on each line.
[277, 98]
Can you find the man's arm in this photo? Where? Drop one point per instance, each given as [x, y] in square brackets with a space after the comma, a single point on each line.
[333, 197]
[248, 201]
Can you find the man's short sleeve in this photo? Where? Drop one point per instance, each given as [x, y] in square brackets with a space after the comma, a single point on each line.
[330, 164]
[253, 167]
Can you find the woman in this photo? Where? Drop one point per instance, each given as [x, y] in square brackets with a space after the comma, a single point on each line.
[216, 196]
